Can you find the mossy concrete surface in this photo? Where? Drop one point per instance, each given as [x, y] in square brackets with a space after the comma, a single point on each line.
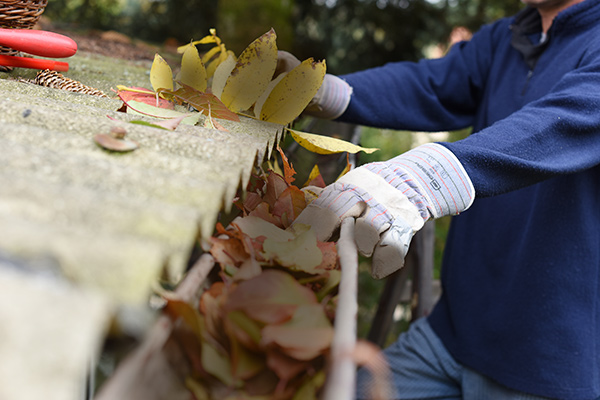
[109, 224]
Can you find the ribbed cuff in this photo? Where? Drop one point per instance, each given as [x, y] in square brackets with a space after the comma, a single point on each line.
[441, 178]
[331, 100]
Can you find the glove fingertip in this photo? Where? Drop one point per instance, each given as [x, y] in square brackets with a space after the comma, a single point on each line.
[387, 260]
[366, 237]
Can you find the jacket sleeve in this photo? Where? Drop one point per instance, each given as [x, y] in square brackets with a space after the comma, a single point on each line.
[430, 95]
[558, 134]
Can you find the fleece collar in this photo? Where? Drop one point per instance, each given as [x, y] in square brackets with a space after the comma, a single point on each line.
[528, 24]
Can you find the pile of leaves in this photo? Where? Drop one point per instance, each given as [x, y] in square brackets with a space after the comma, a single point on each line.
[264, 329]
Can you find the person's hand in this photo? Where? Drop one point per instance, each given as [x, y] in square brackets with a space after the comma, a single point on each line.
[286, 62]
[331, 99]
[391, 201]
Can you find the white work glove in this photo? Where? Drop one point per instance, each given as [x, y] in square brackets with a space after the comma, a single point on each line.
[392, 200]
[331, 99]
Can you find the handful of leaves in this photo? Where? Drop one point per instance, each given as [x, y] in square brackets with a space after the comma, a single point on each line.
[220, 85]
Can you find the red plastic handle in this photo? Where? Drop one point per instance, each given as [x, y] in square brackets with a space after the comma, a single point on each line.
[34, 63]
[39, 43]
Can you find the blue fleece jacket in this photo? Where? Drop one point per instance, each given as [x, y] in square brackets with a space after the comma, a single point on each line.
[521, 271]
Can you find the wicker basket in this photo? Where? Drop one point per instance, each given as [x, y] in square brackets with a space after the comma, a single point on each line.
[21, 14]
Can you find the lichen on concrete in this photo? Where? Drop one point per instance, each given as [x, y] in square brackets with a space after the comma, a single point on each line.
[107, 217]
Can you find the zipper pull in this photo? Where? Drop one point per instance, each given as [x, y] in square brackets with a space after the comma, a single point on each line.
[529, 75]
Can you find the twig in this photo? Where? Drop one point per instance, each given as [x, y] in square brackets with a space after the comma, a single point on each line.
[190, 285]
[147, 374]
[342, 373]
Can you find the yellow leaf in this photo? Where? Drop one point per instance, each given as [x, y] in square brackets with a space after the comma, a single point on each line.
[210, 54]
[134, 90]
[252, 73]
[346, 169]
[161, 75]
[325, 144]
[291, 96]
[263, 97]
[212, 38]
[193, 72]
[221, 74]
[215, 63]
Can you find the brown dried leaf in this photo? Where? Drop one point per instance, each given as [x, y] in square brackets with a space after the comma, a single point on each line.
[286, 368]
[315, 178]
[251, 201]
[329, 252]
[249, 269]
[108, 142]
[228, 251]
[307, 335]
[275, 186]
[270, 298]
[288, 168]
[211, 306]
[263, 211]
[206, 103]
[289, 205]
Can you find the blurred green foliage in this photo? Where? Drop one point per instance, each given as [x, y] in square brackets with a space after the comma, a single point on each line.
[349, 34]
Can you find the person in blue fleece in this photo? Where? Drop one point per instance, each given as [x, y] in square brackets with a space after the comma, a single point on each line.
[519, 316]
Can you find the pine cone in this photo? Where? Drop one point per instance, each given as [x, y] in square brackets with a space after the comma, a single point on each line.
[56, 80]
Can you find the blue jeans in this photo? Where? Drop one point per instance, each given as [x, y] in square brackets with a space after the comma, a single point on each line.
[422, 369]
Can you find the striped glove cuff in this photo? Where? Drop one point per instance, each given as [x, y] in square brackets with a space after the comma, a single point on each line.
[331, 100]
[436, 175]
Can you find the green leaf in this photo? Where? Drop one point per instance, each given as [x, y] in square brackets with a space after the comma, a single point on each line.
[243, 328]
[135, 107]
[333, 280]
[217, 364]
[146, 123]
[245, 364]
[310, 388]
[168, 124]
